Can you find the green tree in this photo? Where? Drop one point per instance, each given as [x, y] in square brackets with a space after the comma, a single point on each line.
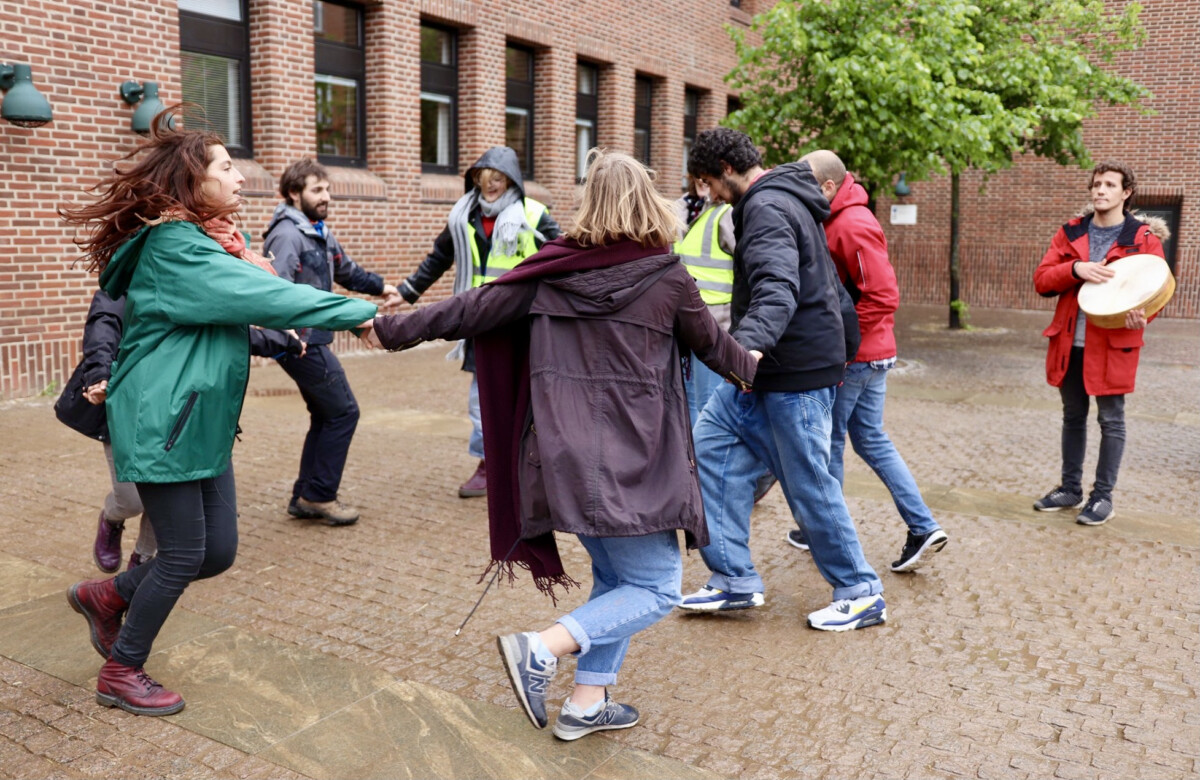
[927, 87]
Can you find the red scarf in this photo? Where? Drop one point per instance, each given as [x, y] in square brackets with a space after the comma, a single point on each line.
[225, 232]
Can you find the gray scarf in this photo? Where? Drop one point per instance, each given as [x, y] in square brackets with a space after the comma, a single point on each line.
[509, 211]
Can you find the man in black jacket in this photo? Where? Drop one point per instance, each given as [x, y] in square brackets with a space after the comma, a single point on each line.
[306, 252]
[787, 308]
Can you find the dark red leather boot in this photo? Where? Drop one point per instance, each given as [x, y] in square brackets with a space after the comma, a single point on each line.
[131, 689]
[102, 607]
[475, 486]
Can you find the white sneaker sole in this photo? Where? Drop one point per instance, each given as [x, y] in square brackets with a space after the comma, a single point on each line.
[756, 600]
[866, 622]
[570, 733]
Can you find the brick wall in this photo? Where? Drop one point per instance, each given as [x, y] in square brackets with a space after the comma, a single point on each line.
[388, 214]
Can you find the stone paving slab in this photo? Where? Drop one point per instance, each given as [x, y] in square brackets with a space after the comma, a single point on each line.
[1031, 647]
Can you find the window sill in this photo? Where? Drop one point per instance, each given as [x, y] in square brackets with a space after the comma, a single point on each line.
[259, 183]
[356, 184]
[740, 16]
[441, 188]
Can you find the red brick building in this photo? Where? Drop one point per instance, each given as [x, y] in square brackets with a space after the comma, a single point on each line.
[398, 96]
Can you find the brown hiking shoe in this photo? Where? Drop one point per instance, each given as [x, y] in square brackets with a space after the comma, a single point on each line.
[131, 689]
[476, 486]
[103, 608]
[330, 512]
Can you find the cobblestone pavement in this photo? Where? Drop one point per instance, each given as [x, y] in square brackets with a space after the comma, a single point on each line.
[1031, 648]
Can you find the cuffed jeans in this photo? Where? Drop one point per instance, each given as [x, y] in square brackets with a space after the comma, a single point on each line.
[196, 526]
[635, 583]
[475, 444]
[1110, 413]
[333, 413]
[859, 410]
[740, 433]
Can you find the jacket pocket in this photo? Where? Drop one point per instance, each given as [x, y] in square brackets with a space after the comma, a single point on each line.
[177, 428]
[1126, 340]
[535, 506]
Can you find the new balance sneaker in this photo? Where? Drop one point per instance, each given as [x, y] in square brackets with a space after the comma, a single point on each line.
[849, 614]
[528, 675]
[714, 600]
[1058, 499]
[1097, 512]
[573, 724]
[919, 545]
[795, 538]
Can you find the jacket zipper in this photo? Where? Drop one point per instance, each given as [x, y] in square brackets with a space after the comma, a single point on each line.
[179, 423]
[742, 384]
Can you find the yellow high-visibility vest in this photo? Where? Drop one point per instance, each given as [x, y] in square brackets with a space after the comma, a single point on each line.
[499, 264]
[705, 260]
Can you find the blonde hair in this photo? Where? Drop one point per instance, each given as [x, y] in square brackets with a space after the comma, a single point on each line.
[482, 176]
[620, 202]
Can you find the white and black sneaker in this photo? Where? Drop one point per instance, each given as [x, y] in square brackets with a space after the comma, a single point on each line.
[1097, 512]
[849, 614]
[715, 600]
[795, 538]
[919, 547]
[1057, 500]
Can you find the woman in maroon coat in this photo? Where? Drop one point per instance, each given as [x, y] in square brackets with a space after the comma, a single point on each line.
[578, 353]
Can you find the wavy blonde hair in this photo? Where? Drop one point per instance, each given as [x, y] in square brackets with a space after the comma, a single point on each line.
[620, 202]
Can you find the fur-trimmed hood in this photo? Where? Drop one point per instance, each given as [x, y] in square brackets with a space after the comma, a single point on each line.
[1158, 225]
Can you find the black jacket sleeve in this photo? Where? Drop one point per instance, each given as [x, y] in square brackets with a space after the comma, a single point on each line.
[431, 269]
[548, 227]
[265, 342]
[101, 337]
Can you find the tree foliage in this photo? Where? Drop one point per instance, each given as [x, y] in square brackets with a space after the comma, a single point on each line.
[931, 86]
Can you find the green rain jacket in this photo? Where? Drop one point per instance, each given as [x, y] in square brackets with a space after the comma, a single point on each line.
[180, 376]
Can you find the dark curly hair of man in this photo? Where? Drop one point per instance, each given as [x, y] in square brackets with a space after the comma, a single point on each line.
[713, 147]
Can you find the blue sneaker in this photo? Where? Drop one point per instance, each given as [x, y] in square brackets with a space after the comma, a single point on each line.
[713, 600]
[528, 675]
[573, 724]
[849, 614]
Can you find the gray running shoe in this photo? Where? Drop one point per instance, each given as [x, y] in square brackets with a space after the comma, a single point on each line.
[1057, 500]
[571, 724]
[1097, 512]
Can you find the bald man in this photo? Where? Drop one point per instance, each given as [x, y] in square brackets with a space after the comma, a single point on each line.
[859, 251]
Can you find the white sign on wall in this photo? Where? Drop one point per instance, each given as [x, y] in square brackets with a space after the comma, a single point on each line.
[904, 214]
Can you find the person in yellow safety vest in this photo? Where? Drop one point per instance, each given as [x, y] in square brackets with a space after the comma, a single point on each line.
[706, 250]
[491, 229]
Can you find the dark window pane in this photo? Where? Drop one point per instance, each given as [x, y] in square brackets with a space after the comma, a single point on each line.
[641, 145]
[585, 76]
[518, 64]
[221, 9]
[517, 135]
[436, 130]
[214, 85]
[691, 102]
[337, 116]
[437, 45]
[337, 23]
[645, 92]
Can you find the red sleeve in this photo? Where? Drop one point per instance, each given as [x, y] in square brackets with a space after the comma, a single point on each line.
[1053, 275]
[864, 251]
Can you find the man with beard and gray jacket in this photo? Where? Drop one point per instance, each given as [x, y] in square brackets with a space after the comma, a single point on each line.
[306, 252]
[788, 309]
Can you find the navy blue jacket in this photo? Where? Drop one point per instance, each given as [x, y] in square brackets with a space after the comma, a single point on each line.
[787, 300]
[304, 256]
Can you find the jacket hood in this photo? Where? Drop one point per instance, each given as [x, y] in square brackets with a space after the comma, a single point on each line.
[118, 274]
[850, 193]
[498, 158]
[797, 180]
[606, 290]
[286, 213]
[1158, 226]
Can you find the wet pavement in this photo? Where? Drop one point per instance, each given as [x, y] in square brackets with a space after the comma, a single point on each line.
[1031, 647]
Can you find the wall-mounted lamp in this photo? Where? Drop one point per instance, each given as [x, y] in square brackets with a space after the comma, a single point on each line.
[24, 106]
[147, 93]
[902, 187]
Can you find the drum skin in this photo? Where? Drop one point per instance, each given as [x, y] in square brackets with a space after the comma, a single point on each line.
[1141, 281]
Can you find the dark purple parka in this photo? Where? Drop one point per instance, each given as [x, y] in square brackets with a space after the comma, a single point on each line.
[607, 449]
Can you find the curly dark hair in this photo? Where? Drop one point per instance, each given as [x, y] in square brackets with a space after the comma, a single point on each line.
[162, 176]
[1128, 182]
[296, 175]
[713, 147]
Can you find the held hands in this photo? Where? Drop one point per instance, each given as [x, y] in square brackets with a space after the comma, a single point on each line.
[95, 394]
[366, 332]
[391, 296]
[754, 353]
[1093, 272]
[1135, 319]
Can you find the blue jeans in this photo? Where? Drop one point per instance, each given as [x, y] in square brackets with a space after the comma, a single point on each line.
[740, 433]
[635, 583]
[700, 386]
[475, 444]
[333, 417]
[859, 410]
[1110, 413]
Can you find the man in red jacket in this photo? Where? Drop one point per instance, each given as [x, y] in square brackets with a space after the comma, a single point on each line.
[1084, 360]
[859, 251]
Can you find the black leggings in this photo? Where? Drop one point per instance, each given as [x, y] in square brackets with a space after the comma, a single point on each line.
[196, 526]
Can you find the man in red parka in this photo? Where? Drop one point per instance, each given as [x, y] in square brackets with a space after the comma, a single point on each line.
[859, 251]
[1084, 360]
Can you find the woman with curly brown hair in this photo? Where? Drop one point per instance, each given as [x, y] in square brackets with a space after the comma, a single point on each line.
[162, 234]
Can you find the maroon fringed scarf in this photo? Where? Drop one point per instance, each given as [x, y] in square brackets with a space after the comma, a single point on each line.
[502, 368]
